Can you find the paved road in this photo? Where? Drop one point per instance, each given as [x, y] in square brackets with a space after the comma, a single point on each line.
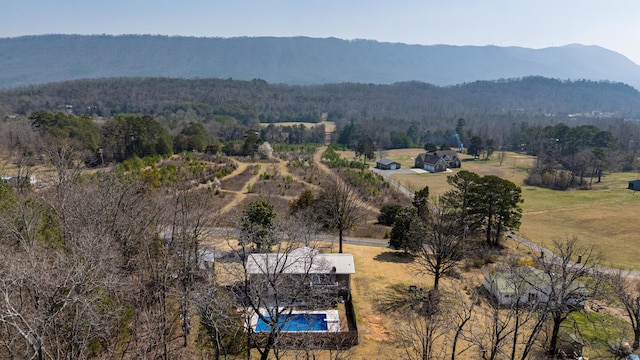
[233, 233]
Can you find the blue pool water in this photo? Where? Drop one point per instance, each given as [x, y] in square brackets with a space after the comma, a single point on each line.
[297, 322]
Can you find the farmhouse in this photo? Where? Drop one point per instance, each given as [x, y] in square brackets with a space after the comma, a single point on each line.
[634, 185]
[387, 164]
[437, 161]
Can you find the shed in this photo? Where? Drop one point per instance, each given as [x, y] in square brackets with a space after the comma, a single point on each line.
[206, 259]
[387, 164]
[634, 185]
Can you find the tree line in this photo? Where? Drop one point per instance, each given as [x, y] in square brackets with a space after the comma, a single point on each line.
[130, 135]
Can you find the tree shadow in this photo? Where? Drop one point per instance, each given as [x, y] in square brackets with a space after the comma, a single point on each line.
[395, 257]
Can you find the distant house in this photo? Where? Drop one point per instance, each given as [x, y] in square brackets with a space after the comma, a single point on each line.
[519, 286]
[634, 185]
[430, 162]
[19, 180]
[387, 164]
[451, 157]
[437, 161]
[525, 285]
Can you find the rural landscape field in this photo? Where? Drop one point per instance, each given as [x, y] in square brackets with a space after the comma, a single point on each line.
[295, 198]
[603, 216]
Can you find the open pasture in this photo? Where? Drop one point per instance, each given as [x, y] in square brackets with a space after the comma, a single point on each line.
[605, 216]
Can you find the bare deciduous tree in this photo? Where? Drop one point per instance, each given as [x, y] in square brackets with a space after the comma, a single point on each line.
[223, 325]
[442, 245]
[191, 220]
[273, 285]
[342, 206]
[422, 331]
[571, 278]
[627, 291]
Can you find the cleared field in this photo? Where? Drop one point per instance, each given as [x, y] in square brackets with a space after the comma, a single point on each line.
[330, 126]
[605, 216]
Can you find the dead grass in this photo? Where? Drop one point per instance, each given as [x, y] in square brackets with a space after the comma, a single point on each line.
[374, 274]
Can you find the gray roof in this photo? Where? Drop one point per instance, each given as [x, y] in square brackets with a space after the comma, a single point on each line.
[524, 277]
[385, 161]
[300, 261]
[430, 158]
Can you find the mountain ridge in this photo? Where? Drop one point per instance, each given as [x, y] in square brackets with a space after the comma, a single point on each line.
[37, 59]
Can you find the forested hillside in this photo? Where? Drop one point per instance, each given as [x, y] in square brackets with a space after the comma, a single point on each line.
[297, 60]
[258, 100]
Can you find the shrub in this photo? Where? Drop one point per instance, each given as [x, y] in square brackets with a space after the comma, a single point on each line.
[388, 213]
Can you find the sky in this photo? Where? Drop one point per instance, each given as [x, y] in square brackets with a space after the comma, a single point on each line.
[612, 24]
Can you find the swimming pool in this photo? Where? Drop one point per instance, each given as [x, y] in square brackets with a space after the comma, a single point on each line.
[296, 322]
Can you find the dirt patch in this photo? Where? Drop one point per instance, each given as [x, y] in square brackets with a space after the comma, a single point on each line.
[395, 257]
[376, 331]
[280, 185]
[238, 180]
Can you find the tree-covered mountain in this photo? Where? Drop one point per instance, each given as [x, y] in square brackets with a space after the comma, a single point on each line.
[259, 101]
[297, 60]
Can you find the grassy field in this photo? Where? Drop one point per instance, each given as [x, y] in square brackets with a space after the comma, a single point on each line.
[604, 217]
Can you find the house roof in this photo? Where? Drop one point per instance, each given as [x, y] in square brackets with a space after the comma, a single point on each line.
[430, 158]
[207, 255]
[385, 161]
[300, 261]
[522, 279]
[446, 153]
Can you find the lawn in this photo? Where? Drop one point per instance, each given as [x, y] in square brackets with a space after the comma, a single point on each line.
[604, 217]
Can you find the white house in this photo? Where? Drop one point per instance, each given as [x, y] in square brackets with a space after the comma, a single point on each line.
[15, 180]
[514, 285]
[324, 269]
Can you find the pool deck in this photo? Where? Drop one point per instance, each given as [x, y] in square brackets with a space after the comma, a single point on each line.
[332, 318]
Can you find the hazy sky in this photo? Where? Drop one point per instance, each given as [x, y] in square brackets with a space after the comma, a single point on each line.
[613, 24]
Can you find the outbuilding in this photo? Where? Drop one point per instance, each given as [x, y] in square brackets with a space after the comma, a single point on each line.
[387, 164]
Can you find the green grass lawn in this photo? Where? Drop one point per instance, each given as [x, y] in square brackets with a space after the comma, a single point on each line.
[597, 330]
